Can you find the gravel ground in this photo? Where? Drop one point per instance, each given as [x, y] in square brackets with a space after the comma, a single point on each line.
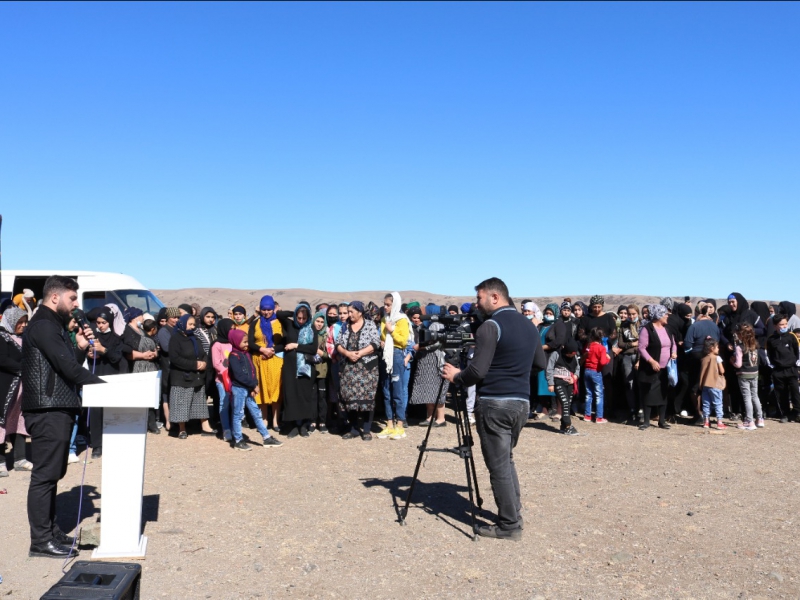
[613, 513]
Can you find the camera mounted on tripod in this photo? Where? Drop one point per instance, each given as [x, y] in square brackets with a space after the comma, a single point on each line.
[458, 333]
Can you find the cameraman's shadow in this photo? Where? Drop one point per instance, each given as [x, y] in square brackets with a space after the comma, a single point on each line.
[447, 501]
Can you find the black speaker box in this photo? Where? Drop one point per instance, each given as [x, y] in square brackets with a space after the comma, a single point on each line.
[102, 580]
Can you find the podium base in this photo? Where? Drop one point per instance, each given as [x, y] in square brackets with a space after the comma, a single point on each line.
[101, 553]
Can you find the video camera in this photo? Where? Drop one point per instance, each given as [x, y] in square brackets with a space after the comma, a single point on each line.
[459, 331]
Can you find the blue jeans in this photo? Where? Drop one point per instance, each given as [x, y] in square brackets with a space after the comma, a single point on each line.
[242, 399]
[73, 447]
[712, 395]
[224, 409]
[395, 387]
[594, 388]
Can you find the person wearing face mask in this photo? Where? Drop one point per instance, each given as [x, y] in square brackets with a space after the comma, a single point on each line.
[187, 395]
[783, 353]
[141, 353]
[265, 342]
[106, 358]
[628, 344]
[530, 310]
[552, 334]
[240, 319]
[297, 378]
[337, 417]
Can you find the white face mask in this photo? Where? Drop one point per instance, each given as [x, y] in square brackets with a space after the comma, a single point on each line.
[529, 317]
[549, 318]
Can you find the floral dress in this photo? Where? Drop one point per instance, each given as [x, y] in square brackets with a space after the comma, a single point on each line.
[359, 380]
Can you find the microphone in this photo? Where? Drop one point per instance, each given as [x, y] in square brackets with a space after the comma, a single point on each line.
[80, 319]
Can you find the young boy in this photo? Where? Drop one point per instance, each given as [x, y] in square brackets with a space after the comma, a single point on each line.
[712, 380]
[783, 353]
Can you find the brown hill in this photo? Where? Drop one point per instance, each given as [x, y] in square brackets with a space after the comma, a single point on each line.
[221, 298]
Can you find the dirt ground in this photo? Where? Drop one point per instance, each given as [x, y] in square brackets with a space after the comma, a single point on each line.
[613, 513]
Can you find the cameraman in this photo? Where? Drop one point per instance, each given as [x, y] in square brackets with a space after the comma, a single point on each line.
[507, 347]
[50, 378]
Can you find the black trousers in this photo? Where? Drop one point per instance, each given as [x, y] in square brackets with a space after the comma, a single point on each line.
[50, 431]
[96, 427]
[786, 389]
[322, 402]
[563, 392]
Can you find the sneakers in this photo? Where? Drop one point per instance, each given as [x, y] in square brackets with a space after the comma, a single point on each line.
[570, 431]
[398, 434]
[493, 531]
[784, 419]
[271, 442]
[759, 422]
[600, 420]
[386, 432]
[23, 465]
[587, 418]
[226, 435]
[471, 419]
[242, 445]
[684, 414]
[3, 469]
[73, 458]
[721, 425]
[706, 424]
[748, 425]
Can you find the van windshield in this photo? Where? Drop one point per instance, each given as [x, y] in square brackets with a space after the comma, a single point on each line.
[142, 299]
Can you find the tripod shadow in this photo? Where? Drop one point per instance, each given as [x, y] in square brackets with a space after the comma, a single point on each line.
[68, 502]
[444, 500]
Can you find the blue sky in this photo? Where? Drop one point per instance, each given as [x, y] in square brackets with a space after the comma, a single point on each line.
[567, 148]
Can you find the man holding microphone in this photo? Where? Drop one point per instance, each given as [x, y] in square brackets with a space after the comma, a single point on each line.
[507, 347]
[51, 375]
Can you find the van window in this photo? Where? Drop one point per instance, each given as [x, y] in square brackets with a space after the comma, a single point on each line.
[141, 299]
[94, 299]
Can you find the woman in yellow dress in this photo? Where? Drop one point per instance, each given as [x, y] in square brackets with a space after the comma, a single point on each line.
[265, 339]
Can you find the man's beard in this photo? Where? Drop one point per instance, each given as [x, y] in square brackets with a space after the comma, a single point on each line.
[63, 311]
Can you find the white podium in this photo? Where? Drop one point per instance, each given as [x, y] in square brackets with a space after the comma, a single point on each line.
[125, 400]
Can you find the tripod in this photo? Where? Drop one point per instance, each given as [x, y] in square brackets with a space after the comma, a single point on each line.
[463, 450]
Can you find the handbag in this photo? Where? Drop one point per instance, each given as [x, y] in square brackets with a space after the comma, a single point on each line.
[672, 372]
[226, 380]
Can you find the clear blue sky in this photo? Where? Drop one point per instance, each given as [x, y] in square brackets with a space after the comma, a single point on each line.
[568, 148]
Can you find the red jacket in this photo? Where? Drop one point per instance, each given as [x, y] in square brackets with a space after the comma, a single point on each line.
[596, 357]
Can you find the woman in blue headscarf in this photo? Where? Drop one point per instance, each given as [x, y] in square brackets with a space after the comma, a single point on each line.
[187, 378]
[265, 340]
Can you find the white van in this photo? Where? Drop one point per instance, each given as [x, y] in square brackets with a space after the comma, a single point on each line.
[94, 288]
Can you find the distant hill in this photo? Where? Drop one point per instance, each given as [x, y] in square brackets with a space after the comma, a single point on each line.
[221, 298]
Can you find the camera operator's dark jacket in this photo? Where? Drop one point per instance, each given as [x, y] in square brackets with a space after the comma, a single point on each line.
[51, 372]
[507, 348]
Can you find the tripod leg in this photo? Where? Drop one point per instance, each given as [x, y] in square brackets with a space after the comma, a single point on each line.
[463, 442]
[422, 449]
[470, 441]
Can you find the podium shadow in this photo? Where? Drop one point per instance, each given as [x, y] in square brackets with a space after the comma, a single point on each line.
[68, 503]
[150, 509]
[442, 499]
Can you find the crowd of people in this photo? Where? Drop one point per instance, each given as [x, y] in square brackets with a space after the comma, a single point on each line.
[337, 368]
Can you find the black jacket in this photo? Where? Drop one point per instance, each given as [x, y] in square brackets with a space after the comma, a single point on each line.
[51, 372]
[241, 370]
[10, 373]
[111, 362]
[783, 350]
[184, 352]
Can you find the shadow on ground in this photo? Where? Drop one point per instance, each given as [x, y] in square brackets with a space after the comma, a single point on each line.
[447, 501]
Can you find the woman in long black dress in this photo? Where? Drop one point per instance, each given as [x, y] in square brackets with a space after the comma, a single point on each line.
[607, 323]
[105, 357]
[297, 385]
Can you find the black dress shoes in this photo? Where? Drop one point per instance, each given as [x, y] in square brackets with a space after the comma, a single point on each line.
[97, 452]
[52, 549]
[63, 539]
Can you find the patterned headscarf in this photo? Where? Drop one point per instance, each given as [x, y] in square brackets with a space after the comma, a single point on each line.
[597, 300]
[553, 307]
[358, 305]
[566, 305]
[11, 317]
[657, 311]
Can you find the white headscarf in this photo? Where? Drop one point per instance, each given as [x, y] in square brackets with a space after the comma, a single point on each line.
[537, 314]
[119, 321]
[395, 316]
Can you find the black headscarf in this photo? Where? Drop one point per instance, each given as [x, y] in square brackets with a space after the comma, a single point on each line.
[202, 323]
[787, 308]
[224, 327]
[162, 314]
[741, 304]
[761, 309]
